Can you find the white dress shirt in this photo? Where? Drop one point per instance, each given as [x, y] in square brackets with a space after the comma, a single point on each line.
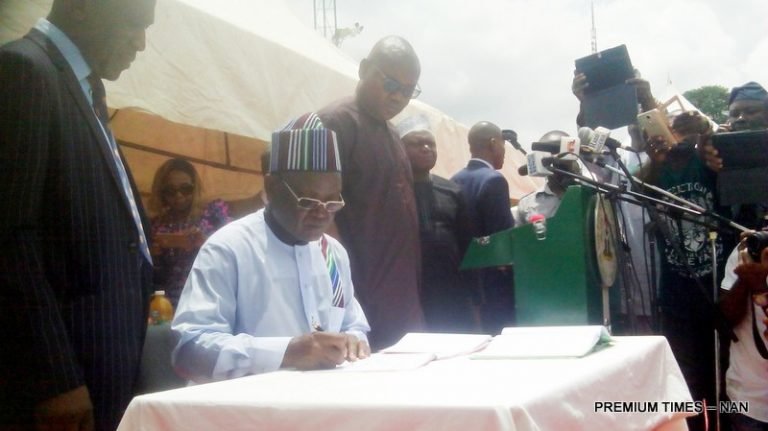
[249, 293]
[747, 376]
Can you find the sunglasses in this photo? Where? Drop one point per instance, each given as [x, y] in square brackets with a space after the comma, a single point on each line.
[391, 85]
[184, 189]
[309, 204]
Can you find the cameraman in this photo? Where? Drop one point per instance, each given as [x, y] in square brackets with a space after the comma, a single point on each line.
[744, 303]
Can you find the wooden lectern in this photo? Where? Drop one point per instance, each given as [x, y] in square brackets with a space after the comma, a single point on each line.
[557, 281]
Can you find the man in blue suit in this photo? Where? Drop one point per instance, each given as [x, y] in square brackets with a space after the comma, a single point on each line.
[75, 269]
[487, 194]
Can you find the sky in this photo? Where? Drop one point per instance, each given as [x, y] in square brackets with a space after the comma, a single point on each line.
[511, 61]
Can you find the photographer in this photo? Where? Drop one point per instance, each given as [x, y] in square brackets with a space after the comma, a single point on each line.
[744, 303]
[747, 110]
[685, 301]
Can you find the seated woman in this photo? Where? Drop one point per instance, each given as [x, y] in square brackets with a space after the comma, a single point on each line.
[180, 223]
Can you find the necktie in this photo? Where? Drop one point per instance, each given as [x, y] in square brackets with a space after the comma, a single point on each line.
[333, 272]
[99, 101]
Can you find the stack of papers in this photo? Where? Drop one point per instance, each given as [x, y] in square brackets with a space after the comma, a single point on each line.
[545, 342]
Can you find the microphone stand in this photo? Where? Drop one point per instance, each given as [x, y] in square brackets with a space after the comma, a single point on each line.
[703, 211]
[639, 198]
[518, 147]
[712, 239]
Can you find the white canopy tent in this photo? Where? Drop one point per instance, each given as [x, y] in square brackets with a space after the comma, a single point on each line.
[217, 77]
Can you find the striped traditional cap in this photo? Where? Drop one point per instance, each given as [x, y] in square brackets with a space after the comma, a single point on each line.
[305, 145]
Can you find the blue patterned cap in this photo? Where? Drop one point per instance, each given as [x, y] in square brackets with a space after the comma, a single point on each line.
[305, 145]
[749, 91]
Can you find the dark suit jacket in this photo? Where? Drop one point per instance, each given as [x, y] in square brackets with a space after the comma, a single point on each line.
[73, 284]
[486, 192]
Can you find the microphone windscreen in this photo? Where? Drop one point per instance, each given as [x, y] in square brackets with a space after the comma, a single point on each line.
[549, 147]
[585, 134]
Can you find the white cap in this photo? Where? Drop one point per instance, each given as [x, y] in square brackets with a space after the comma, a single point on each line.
[415, 123]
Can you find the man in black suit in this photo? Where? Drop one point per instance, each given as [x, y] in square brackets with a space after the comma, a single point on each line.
[487, 194]
[74, 263]
[444, 230]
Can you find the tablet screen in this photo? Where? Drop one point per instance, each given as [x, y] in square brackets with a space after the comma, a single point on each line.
[606, 69]
[742, 150]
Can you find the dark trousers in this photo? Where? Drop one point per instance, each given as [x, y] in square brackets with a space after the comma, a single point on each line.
[687, 321]
[497, 309]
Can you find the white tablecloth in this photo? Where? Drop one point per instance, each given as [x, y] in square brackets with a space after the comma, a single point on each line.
[452, 394]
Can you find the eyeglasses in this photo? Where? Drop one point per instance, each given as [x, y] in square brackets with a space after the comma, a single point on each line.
[184, 189]
[309, 204]
[391, 85]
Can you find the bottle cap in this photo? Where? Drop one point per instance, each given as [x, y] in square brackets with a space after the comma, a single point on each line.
[159, 292]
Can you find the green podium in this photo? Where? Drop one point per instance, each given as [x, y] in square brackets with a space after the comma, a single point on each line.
[557, 280]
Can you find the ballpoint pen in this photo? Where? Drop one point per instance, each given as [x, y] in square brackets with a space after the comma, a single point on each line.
[316, 326]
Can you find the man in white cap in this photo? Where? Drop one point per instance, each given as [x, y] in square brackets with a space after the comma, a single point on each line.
[445, 232]
[271, 290]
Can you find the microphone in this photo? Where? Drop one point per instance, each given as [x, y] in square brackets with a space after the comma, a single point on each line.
[547, 147]
[598, 139]
[567, 144]
[536, 165]
[510, 136]
[594, 140]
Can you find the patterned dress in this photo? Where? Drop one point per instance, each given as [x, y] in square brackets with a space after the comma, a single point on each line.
[172, 265]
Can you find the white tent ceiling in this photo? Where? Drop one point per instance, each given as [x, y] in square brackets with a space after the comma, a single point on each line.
[218, 76]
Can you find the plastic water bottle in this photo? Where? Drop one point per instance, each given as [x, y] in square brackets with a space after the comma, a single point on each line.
[539, 223]
[160, 309]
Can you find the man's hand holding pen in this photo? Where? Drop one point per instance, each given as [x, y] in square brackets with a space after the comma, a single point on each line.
[321, 350]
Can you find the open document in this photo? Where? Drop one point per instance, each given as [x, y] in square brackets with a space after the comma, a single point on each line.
[388, 362]
[441, 345]
[545, 342]
[417, 349]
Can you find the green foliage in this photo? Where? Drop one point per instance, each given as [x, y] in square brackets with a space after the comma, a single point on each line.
[711, 100]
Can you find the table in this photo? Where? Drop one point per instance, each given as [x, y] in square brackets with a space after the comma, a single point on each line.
[451, 394]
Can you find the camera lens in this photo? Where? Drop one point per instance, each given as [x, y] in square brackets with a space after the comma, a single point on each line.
[756, 242]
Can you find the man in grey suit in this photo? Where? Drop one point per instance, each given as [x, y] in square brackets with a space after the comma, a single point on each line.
[74, 262]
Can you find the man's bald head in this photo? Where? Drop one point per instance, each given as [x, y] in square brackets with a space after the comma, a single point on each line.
[388, 78]
[486, 142]
[395, 51]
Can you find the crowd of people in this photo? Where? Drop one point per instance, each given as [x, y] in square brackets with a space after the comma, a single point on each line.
[354, 243]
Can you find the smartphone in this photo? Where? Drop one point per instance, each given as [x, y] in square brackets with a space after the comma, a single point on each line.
[655, 123]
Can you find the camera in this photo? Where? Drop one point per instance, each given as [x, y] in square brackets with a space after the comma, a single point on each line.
[756, 242]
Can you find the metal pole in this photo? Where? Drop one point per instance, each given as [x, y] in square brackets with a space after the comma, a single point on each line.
[325, 21]
[335, 25]
[715, 292]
